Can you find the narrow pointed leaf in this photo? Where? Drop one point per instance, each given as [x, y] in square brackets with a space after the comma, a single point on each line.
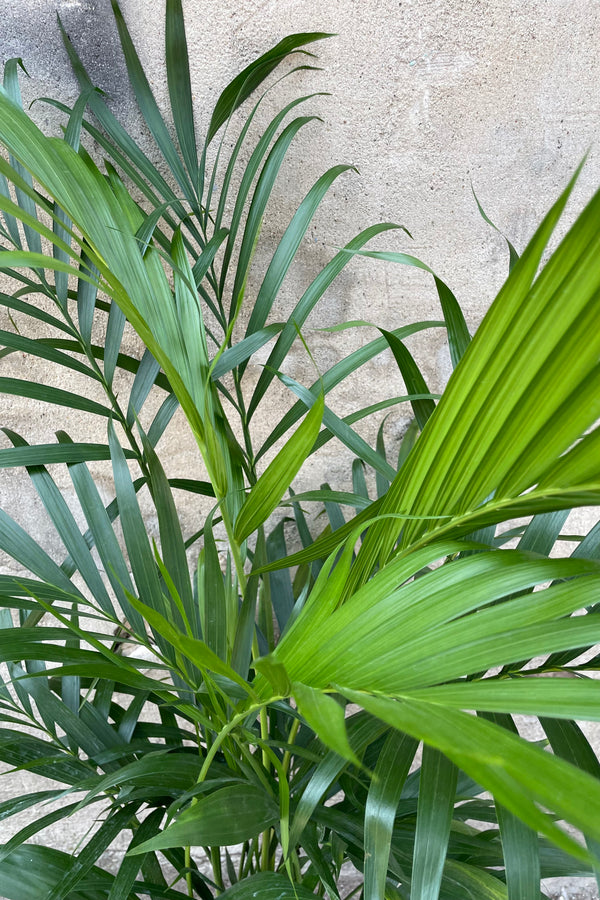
[437, 789]
[270, 487]
[180, 90]
[253, 75]
[386, 786]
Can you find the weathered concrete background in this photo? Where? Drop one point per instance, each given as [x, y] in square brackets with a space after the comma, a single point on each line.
[428, 97]
[426, 100]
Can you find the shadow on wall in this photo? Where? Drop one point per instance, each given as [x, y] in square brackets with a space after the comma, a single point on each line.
[30, 31]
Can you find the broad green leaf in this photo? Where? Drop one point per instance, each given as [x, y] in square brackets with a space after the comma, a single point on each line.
[375, 639]
[518, 774]
[458, 464]
[230, 815]
[326, 717]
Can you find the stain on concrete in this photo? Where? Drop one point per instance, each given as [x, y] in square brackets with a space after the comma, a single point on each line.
[32, 32]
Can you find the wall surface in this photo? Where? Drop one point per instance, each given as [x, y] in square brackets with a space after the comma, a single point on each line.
[428, 99]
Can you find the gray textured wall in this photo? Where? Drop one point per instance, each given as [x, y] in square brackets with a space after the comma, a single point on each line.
[427, 98]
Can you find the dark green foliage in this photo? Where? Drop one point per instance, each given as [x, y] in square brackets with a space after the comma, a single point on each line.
[234, 727]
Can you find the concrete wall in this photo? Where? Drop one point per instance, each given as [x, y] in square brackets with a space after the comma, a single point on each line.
[427, 98]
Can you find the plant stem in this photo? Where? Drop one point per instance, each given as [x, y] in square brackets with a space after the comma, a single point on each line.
[234, 546]
[215, 860]
[229, 727]
[266, 838]
[287, 756]
[188, 874]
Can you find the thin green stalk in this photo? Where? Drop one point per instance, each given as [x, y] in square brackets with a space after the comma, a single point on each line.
[227, 729]
[188, 873]
[265, 860]
[266, 838]
[244, 423]
[217, 867]
[242, 861]
[287, 756]
[235, 549]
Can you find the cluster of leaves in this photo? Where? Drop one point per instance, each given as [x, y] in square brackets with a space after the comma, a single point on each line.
[284, 714]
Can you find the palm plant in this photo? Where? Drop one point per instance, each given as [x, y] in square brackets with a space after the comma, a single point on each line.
[282, 699]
